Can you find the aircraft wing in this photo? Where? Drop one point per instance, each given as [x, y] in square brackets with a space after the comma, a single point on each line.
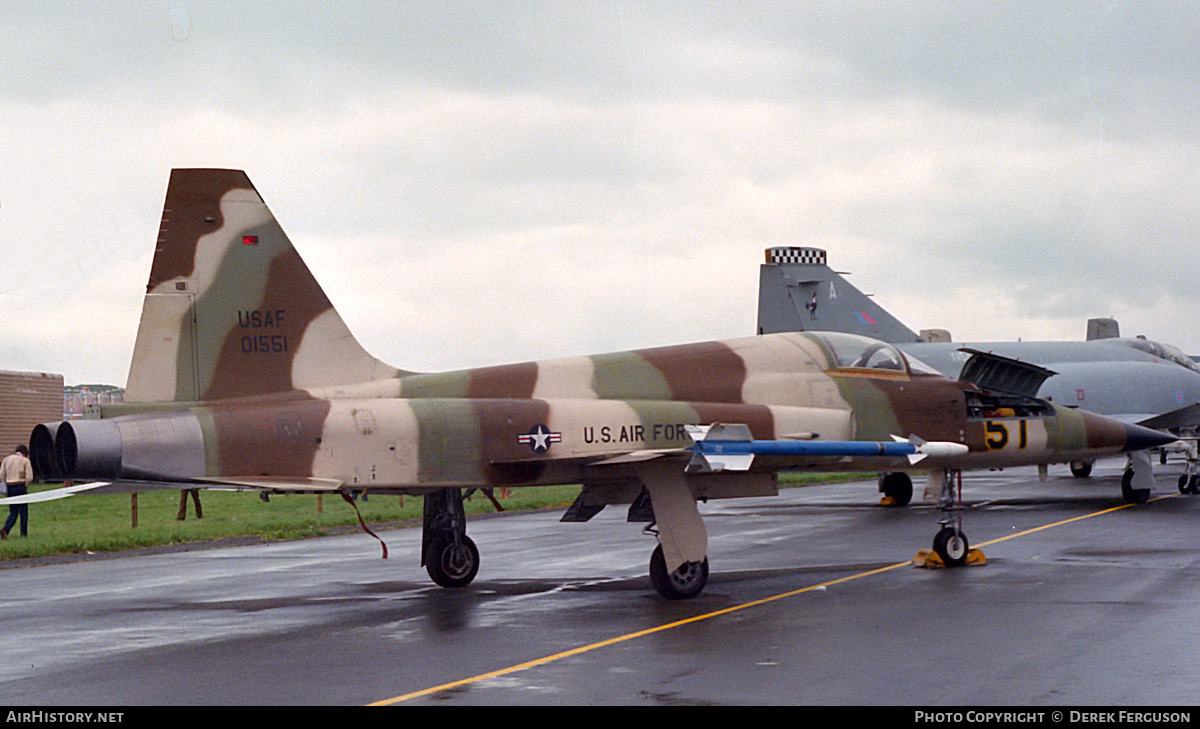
[1187, 416]
[97, 487]
[249, 483]
[644, 455]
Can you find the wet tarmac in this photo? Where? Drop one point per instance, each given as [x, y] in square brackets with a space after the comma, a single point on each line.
[811, 600]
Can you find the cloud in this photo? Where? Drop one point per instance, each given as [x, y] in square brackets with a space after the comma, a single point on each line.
[485, 182]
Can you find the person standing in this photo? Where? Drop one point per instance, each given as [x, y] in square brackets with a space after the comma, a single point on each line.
[183, 497]
[17, 473]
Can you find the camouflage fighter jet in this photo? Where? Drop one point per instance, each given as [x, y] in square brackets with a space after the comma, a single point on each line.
[1132, 379]
[244, 376]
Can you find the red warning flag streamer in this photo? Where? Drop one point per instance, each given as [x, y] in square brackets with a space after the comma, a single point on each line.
[363, 524]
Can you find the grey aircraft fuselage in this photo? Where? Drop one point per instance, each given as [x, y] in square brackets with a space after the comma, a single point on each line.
[1105, 376]
[1131, 379]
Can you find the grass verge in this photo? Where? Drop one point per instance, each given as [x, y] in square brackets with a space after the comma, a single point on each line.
[92, 524]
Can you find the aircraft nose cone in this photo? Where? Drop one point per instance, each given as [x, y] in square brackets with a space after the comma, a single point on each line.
[1139, 438]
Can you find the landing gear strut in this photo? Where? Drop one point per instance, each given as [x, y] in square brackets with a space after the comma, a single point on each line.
[679, 565]
[1189, 482]
[447, 553]
[950, 543]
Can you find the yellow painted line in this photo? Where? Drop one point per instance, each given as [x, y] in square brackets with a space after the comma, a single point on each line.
[707, 616]
[630, 636]
[1073, 519]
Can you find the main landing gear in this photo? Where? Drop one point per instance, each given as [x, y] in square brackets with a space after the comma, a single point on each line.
[689, 578]
[447, 553]
[1138, 478]
[1189, 484]
[1129, 493]
[667, 507]
[684, 583]
[897, 488]
[679, 564]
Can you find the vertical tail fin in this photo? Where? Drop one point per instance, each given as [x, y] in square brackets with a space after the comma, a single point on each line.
[797, 291]
[231, 310]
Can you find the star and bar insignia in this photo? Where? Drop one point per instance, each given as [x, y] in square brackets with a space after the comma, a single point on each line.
[539, 438]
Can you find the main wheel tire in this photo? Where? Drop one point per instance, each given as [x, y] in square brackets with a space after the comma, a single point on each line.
[1129, 493]
[682, 584]
[1194, 484]
[1081, 469]
[450, 564]
[952, 546]
[897, 485]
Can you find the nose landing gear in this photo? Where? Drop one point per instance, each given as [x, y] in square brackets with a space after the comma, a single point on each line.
[950, 547]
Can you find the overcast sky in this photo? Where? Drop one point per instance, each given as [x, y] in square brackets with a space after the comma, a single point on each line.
[485, 182]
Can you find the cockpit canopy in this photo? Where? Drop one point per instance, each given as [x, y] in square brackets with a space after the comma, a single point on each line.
[1162, 351]
[851, 350]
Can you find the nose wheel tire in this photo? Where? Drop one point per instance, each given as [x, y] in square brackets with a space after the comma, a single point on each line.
[682, 584]
[1189, 484]
[1129, 493]
[450, 564]
[951, 545]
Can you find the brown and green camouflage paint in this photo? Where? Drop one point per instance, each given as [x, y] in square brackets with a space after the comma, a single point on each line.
[236, 328]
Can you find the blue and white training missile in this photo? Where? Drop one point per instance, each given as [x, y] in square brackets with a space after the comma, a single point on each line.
[731, 447]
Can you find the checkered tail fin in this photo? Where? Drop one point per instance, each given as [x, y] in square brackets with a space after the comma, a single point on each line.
[798, 291]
